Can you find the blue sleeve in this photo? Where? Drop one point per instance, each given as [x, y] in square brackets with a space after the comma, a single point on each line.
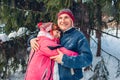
[83, 59]
[31, 37]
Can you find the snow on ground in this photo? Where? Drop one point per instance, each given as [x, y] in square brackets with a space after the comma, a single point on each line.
[111, 45]
[17, 76]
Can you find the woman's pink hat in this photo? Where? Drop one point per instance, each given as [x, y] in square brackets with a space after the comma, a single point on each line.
[39, 24]
[45, 26]
[68, 12]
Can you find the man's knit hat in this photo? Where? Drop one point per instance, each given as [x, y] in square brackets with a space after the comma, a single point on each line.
[68, 12]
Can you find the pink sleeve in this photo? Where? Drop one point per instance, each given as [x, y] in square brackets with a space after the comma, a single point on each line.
[47, 52]
[44, 42]
[68, 52]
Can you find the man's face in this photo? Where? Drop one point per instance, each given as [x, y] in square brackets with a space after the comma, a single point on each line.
[64, 22]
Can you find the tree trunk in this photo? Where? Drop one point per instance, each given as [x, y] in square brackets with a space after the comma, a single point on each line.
[99, 27]
[98, 34]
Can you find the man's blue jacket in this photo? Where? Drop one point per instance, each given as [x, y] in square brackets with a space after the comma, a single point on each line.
[71, 66]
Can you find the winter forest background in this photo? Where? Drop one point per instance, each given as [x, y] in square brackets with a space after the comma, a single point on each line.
[99, 20]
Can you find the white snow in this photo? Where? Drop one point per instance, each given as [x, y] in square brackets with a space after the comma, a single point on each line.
[4, 37]
[110, 45]
[22, 31]
[12, 34]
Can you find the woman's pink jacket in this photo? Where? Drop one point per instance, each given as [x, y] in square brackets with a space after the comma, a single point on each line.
[40, 66]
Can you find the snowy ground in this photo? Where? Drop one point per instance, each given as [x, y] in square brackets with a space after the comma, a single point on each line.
[109, 44]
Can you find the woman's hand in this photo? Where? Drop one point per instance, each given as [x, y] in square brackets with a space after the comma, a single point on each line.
[34, 44]
[59, 57]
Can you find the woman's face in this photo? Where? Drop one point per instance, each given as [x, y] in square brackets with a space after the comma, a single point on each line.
[56, 33]
[64, 22]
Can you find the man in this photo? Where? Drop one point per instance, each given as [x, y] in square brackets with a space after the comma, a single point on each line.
[70, 68]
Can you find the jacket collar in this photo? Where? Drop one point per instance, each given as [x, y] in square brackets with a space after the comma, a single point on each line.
[69, 30]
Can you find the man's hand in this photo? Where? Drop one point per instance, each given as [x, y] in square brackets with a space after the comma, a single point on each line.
[59, 57]
[34, 44]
